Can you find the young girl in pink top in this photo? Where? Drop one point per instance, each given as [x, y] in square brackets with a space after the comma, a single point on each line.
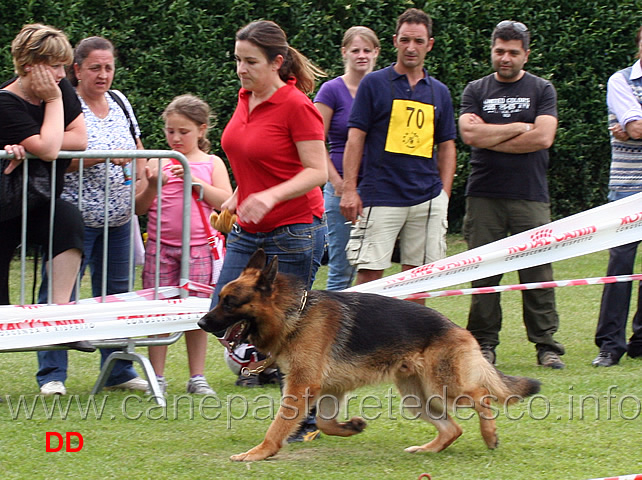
[186, 124]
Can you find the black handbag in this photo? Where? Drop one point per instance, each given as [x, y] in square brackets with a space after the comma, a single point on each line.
[38, 187]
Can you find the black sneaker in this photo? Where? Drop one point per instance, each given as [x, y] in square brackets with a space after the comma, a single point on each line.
[306, 433]
[550, 359]
[489, 354]
[605, 359]
[272, 378]
[634, 350]
[248, 382]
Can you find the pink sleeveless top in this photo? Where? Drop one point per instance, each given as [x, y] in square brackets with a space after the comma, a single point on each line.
[172, 209]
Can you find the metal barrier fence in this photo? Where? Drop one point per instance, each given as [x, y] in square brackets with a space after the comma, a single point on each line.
[128, 344]
[134, 154]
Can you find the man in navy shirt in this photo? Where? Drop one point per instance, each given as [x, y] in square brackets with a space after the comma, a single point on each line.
[402, 121]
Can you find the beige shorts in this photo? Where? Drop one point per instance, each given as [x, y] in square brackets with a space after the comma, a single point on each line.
[421, 230]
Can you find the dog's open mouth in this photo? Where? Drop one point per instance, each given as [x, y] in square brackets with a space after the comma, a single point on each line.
[234, 334]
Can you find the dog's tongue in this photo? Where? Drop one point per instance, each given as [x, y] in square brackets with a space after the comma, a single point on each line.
[232, 335]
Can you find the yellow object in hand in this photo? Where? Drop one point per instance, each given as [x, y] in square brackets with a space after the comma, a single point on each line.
[224, 221]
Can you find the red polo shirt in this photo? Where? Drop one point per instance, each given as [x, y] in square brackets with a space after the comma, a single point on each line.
[262, 152]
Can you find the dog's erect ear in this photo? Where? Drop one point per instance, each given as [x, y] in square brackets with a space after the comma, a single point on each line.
[257, 260]
[270, 270]
[268, 275]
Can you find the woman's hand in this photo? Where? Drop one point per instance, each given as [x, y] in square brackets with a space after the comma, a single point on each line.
[19, 154]
[230, 203]
[43, 83]
[337, 184]
[119, 161]
[256, 206]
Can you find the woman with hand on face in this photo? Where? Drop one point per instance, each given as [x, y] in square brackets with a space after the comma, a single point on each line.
[40, 114]
[111, 125]
[359, 49]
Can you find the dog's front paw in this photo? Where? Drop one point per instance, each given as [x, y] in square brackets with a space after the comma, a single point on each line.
[248, 457]
[241, 457]
[356, 424]
[254, 455]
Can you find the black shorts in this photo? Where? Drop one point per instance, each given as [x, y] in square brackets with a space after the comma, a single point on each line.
[68, 233]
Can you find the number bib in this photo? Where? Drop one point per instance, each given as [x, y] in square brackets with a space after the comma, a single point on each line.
[411, 129]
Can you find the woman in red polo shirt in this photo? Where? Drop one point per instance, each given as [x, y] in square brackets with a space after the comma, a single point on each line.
[275, 145]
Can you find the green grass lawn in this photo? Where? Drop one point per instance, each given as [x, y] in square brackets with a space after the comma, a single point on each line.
[585, 423]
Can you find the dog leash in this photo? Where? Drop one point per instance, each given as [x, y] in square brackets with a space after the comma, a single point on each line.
[246, 372]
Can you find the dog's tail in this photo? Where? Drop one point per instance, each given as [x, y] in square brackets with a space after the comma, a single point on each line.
[506, 389]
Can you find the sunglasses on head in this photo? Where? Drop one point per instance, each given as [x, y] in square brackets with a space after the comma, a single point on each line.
[519, 26]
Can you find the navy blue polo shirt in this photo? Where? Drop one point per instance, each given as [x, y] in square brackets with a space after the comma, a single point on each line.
[391, 178]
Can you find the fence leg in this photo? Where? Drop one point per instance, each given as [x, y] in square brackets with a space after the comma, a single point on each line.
[146, 366]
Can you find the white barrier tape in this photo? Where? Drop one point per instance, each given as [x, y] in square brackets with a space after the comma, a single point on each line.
[36, 325]
[603, 227]
[622, 477]
[525, 286]
[163, 293]
[198, 287]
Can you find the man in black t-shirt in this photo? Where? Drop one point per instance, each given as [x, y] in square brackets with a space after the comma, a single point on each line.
[509, 119]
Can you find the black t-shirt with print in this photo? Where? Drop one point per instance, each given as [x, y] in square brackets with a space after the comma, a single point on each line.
[507, 175]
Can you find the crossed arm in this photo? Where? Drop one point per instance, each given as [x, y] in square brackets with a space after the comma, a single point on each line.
[626, 107]
[516, 137]
[633, 130]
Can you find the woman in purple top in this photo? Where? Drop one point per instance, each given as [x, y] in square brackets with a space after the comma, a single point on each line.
[360, 48]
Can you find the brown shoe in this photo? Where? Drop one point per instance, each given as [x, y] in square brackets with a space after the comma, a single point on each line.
[550, 359]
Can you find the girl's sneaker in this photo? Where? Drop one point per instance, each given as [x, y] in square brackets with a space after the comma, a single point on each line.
[199, 386]
[162, 383]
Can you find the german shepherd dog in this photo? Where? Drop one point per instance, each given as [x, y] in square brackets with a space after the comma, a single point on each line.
[329, 343]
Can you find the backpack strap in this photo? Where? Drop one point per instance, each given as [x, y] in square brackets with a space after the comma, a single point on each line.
[121, 104]
[212, 237]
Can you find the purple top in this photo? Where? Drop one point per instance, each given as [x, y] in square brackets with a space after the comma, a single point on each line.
[335, 95]
[620, 98]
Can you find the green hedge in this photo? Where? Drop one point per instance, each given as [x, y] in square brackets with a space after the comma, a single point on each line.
[167, 48]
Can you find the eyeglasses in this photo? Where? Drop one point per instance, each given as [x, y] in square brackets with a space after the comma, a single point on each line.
[519, 26]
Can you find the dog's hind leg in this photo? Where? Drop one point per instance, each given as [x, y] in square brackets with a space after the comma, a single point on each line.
[328, 408]
[481, 398]
[448, 432]
[431, 408]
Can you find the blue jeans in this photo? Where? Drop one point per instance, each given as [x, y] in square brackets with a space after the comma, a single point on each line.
[299, 246]
[340, 272]
[610, 335]
[52, 364]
